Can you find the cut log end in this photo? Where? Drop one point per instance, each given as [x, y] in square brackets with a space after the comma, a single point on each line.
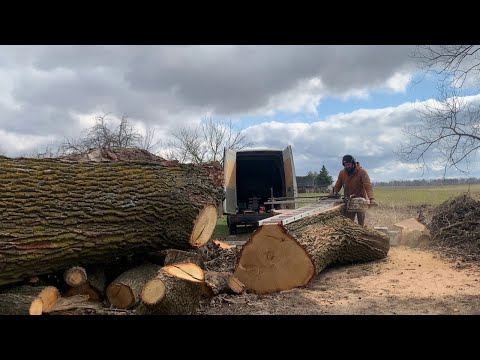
[223, 244]
[49, 297]
[153, 292]
[274, 264]
[204, 226]
[236, 285]
[120, 296]
[75, 276]
[36, 308]
[187, 271]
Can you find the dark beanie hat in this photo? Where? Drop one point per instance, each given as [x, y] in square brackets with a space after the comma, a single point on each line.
[348, 159]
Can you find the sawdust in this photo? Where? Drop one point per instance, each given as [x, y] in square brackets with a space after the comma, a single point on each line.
[414, 281]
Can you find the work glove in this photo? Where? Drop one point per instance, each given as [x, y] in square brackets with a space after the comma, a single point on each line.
[373, 202]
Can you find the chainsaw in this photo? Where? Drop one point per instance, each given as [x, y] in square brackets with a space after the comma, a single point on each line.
[356, 204]
[352, 204]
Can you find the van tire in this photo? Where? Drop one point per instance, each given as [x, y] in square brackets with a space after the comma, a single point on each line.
[232, 228]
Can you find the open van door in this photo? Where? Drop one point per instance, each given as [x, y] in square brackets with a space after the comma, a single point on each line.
[230, 173]
[290, 178]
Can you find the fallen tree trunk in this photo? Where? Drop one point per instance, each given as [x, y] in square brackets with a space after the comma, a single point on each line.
[281, 257]
[54, 213]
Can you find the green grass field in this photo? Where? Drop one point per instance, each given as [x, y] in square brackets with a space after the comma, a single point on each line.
[418, 195]
[221, 230]
[399, 196]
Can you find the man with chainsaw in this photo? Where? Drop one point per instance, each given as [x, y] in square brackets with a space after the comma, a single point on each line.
[356, 184]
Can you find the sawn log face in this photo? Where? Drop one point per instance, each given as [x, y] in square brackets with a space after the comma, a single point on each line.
[56, 213]
[280, 257]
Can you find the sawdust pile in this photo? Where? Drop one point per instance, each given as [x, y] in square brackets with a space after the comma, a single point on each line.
[455, 227]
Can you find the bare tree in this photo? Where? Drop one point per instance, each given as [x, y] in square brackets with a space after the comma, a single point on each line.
[454, 63]
[206, 142]
[104, 135]
[449, 128]
[48, 151]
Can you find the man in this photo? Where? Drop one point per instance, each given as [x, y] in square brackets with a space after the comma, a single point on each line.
[356, 183]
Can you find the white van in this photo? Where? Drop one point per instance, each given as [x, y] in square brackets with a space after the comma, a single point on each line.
[253, 177]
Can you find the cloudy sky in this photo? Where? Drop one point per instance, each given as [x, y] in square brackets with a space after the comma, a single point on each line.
[324, 101]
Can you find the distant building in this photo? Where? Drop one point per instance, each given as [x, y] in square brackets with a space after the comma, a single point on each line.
[306, 184]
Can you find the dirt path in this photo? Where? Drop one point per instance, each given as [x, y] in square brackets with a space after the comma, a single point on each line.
[408, 281]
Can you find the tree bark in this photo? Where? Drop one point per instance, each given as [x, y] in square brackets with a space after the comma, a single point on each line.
[176, 290]
[54, 213]
[281, 257]
[173, 256]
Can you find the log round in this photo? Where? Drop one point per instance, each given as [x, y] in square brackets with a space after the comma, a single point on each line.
[176, 290]
[124, 291]
[54, 213]
[281, 257]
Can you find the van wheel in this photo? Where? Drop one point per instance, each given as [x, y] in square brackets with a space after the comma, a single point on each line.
[232, 229]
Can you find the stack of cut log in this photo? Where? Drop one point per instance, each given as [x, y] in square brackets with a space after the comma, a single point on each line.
[61, 217]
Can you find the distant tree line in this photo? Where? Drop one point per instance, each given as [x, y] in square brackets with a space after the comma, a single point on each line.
[423, 182]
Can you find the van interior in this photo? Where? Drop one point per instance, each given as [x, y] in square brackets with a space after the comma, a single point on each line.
[258, 172]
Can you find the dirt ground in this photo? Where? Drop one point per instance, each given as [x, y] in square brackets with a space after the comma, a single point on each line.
[410, 281]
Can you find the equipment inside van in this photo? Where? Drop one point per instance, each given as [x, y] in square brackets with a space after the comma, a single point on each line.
[253, 177]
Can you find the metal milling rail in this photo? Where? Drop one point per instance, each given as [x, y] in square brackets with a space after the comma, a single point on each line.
[295, 214]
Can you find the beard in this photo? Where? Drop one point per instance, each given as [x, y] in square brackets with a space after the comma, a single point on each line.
[350, 170]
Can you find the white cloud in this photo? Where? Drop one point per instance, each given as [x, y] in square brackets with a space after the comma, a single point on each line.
[399, 81]
[48, 93]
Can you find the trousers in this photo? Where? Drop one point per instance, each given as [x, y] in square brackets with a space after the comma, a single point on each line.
[360, 217]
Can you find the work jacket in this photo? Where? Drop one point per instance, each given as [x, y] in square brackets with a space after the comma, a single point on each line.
[357, 183]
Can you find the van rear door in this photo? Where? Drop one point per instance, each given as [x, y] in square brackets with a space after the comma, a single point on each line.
[290, 178]
[230, 173]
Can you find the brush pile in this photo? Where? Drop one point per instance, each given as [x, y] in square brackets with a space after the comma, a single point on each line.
[455, 227]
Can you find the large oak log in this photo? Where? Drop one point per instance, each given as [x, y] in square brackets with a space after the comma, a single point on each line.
[54, 213]
[281, 257]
